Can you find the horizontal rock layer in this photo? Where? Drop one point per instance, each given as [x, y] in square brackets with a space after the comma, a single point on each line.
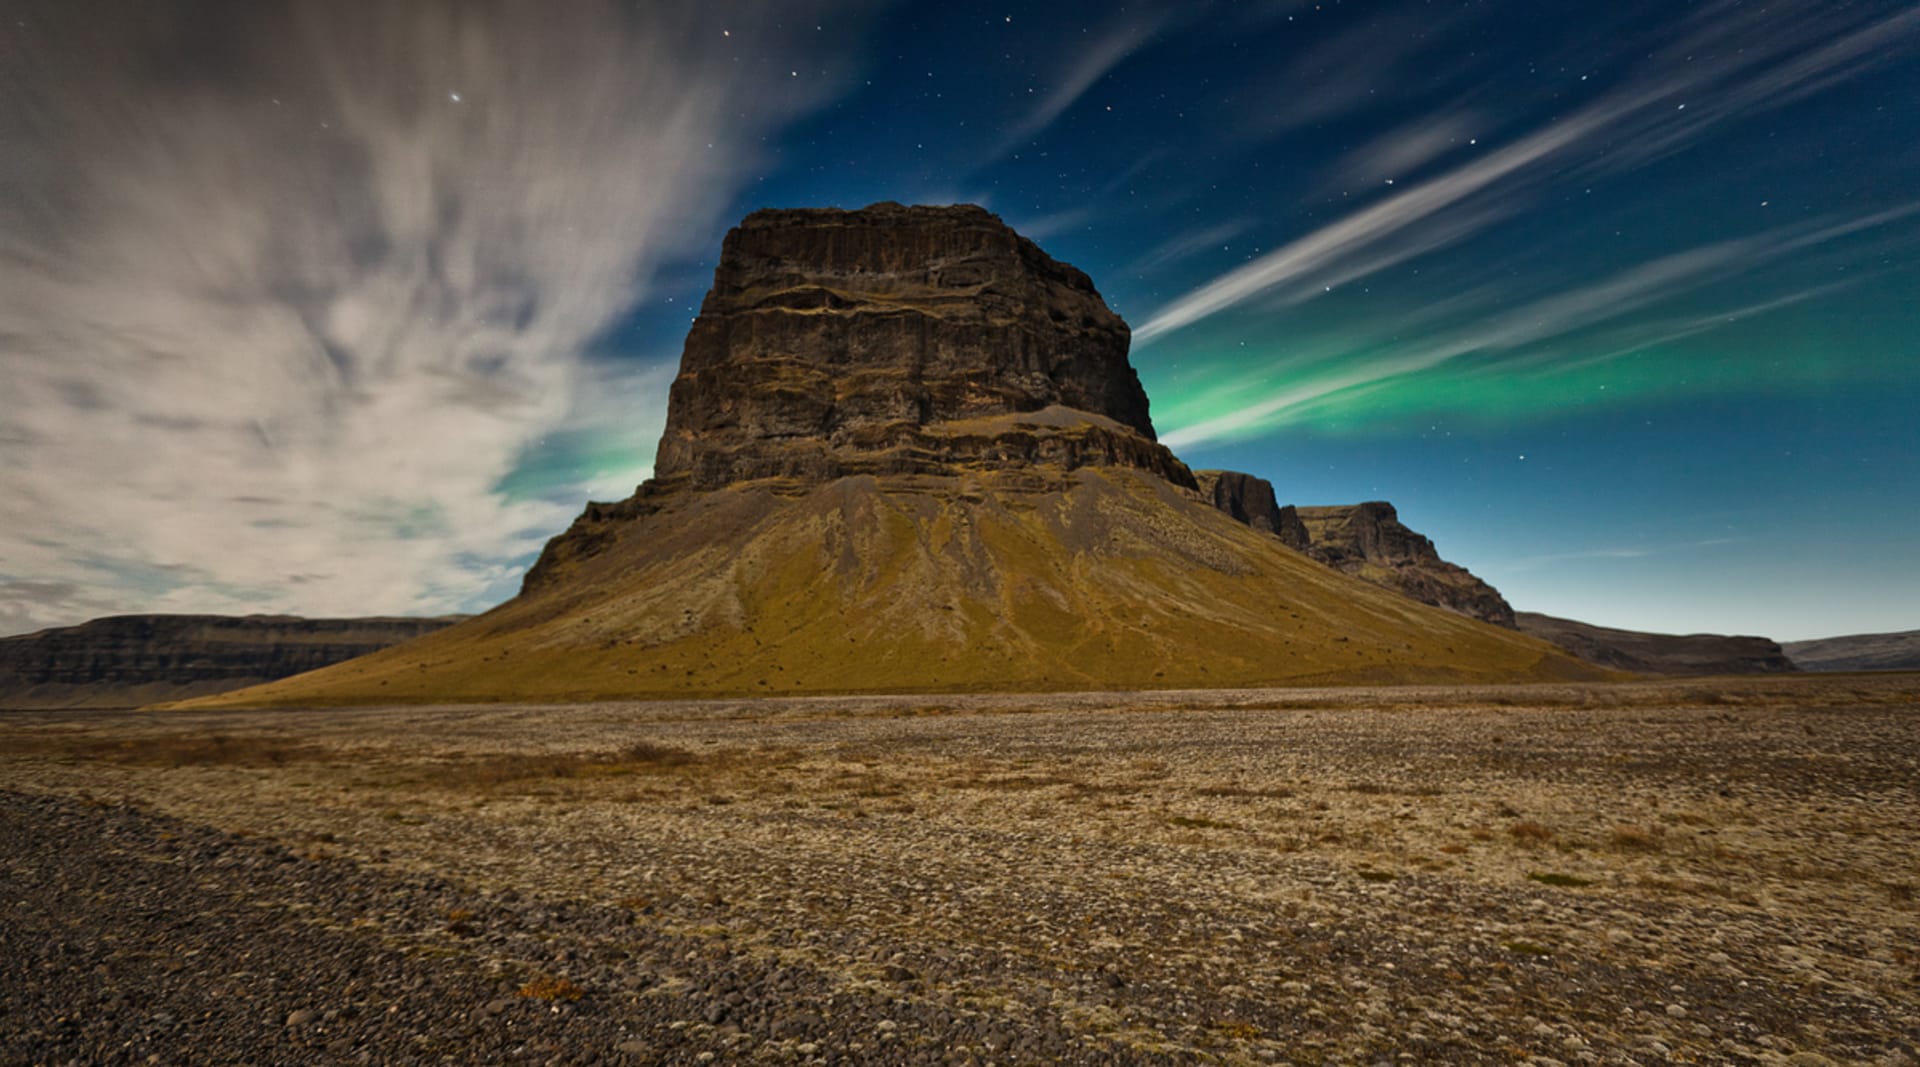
[127, 660]
[832, 339]
[1369, 541]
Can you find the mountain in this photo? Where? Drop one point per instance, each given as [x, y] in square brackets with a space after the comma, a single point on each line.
[1649, 653]
[130, 660]
[1369, 542]
[906, 452]
[1859, 652]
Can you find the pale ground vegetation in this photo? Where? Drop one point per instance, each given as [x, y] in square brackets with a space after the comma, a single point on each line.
[1701, 871]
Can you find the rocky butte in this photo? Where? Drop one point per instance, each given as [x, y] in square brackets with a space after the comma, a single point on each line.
[906, 452]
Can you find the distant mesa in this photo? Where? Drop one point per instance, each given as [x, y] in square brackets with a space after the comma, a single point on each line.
[125, 661]
[1650, 653]
[1859, 652]
[906, 452]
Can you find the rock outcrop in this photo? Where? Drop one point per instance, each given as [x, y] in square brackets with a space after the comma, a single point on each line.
[1858, 652]
[1251, 500]
[1650, 653]
[1368, 541]
[931, 341]
[899, 340]
[130, 660]
[906, 452]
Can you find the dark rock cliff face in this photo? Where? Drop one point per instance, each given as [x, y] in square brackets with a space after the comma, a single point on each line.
[1251, 500]
[838, 342]
[1646, 653]
[887, 341]
[1368, 541]
[126, 660]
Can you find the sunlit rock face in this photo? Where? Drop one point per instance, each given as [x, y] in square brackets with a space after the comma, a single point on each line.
[899, 340]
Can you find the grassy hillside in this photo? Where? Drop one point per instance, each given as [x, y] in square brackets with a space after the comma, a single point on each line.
[987, 582]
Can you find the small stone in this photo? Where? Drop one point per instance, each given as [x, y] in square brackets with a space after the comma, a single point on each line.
[636, 1047]
[302, 1017]
[498, 1007]
[1676, 1011]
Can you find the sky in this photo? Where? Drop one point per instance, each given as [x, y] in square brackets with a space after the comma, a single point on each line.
[343, 307]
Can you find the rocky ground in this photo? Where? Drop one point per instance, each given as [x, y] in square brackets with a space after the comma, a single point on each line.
[1709, 872]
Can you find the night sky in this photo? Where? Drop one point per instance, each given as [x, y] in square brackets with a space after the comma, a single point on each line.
[343, 308]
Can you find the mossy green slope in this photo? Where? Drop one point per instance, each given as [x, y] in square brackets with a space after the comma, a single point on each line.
[1102, 578]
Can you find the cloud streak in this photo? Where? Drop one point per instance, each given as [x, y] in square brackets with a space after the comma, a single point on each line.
[1761, 64]
[1114, 44]
[1526, 563]
[1545, 319]
[282, 304]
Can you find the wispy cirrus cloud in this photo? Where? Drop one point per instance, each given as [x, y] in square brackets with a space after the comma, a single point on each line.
[287, 291]
[1526, 563]
[1183, 245]
[1120, 38]
[1729, 63]
[1488, 331]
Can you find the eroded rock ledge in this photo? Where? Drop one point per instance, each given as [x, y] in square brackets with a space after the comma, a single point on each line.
[898, 340]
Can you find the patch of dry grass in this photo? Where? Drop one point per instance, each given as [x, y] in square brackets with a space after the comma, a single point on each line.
[1634, 839]
[1528, 832]
[249, 750]
[511, 768]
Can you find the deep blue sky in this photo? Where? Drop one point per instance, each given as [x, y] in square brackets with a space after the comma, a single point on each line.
[1617, 302]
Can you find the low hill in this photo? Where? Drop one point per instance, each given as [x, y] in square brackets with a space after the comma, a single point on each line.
[1649, 653]
[1858, 652]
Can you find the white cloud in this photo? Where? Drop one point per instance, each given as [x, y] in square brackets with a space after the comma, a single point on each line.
[275, 324]
[1397, 154]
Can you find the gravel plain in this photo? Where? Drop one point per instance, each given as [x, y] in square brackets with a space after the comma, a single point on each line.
[1708, 871]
